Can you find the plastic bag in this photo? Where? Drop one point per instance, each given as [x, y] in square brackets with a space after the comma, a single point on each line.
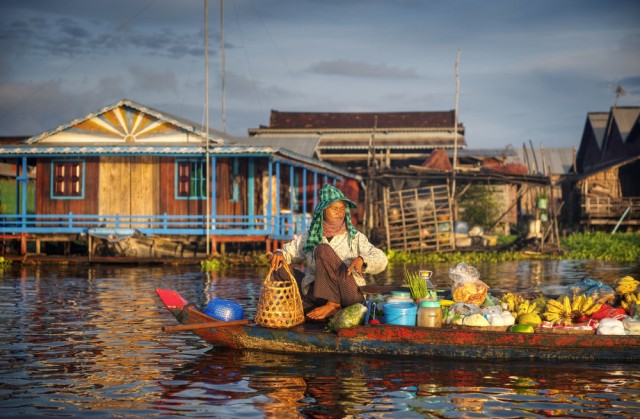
[602, 293]
[458, 311]
[347, 317]
[597, 290]
[467, 286]
[579, 288]
[608, 312]
[610, 327]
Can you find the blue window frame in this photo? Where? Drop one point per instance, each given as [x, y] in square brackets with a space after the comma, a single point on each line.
[191, 179]
[67, 179]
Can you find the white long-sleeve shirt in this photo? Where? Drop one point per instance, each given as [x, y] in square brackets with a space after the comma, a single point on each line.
[375, 260]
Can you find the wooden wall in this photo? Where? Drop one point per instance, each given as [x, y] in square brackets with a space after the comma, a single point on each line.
[87, 205]
[168, 201]
[128, 186]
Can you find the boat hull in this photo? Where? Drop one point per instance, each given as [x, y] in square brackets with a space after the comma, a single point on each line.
[410, 340]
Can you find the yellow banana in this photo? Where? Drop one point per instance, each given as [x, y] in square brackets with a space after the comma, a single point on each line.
[575, 302]
[626, 285]
[593, 309]
[551, 316]
[532, 307]
[555, 303]
[586, 304]
[554, 309]
[567, 304]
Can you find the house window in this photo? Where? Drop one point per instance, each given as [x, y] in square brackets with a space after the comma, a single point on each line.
[190, 179]
[67, 179]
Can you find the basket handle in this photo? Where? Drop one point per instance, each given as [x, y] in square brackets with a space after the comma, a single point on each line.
[286, 268]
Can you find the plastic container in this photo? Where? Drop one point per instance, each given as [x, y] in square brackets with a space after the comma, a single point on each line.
[430, 314]
[399, 297]
[461, 227]
[400, 313]
[225, 310]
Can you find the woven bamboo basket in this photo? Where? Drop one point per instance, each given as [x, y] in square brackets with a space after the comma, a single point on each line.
[565, 331]
[280, 304]
[481, 328]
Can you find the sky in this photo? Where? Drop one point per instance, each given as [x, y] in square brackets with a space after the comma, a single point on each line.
[528, 72]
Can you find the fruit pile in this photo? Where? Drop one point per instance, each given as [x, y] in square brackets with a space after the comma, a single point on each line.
[566, 312]
[584, 305]
[578, 309]
[628, 292]
[523, 310]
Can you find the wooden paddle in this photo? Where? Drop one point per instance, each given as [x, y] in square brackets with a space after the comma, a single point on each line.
[197, 326]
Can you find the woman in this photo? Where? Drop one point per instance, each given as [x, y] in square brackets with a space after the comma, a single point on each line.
[336, 256]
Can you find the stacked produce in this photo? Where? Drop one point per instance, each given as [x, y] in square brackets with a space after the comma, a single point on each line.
[629, 301]
[587, 306]
[625, 285]
[566, 312]
[628, 292]
[523, 310]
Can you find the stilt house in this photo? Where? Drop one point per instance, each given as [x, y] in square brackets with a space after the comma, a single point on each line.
[604, 191]
[129, 180]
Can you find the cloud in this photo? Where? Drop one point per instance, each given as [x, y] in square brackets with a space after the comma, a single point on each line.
[55, 106]
[146, 79]
[77, 37]
[360, 69]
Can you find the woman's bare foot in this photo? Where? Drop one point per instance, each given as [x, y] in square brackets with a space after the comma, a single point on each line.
[327, 310]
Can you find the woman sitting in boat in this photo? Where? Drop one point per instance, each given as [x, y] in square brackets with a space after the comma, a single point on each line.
[336, 255]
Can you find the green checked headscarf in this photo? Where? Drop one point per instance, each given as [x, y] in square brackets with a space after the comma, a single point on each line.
[328, 195]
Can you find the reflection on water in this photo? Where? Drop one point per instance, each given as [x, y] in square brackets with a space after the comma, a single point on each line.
[86, 341]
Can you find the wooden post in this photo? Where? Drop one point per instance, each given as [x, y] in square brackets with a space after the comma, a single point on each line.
[385, 204]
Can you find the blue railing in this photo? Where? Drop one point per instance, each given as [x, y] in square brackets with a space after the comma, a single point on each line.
[281, 227]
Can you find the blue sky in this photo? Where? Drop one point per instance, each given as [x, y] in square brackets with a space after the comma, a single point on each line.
[529, 70]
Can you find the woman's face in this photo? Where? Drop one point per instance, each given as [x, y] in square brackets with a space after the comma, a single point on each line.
[335, 211]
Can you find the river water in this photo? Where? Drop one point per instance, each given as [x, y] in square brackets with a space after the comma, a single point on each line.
[86, 341]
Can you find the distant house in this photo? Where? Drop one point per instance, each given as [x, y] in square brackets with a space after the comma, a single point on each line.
[604, 189]
[407, 161]
[136, 181]
[353, 140]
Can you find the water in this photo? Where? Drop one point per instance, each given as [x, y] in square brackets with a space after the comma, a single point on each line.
[81, 341]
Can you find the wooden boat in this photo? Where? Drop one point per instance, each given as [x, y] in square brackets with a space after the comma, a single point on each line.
[385, 339]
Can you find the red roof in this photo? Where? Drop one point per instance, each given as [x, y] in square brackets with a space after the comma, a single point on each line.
[366, 120]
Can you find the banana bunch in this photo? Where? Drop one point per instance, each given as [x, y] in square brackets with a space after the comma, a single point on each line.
[629, 299]
[625, 285]
[526, 307]
[541, 304]
[511, 302]
[565, 311]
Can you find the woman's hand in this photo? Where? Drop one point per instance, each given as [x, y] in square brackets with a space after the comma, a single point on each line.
[276, 259]
[356, 265]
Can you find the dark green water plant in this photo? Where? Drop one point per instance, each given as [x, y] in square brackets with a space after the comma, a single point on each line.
[620, 247]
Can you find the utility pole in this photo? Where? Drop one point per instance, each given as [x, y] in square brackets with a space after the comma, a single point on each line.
[455, 147]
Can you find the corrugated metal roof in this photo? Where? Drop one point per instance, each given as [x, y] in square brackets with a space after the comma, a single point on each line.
[625, 118]
[75, 150]
[125, 149]
[559, 161]
[598, 122]
[304, 146]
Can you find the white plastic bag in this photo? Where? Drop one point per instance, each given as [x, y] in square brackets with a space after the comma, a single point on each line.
[467, 286]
